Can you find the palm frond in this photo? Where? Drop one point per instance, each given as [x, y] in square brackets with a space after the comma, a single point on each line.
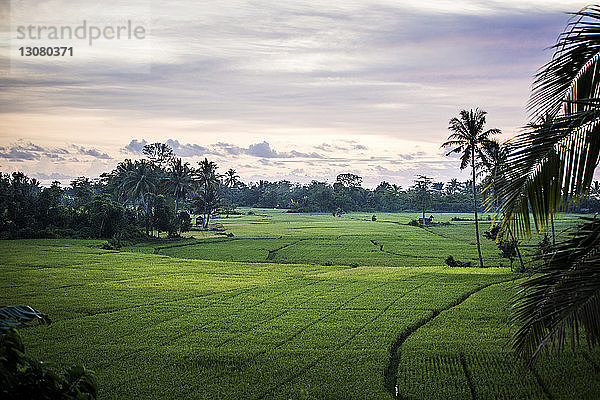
[573, 72]
[17, 316]
[551, 307]
[551, 165]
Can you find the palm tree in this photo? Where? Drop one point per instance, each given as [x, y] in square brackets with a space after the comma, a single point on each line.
[231, 181]
[118, 176]
[552, 165]
[421, 187]
[231, 178]
[140, 181]
[468, 138]
[452, 186]
[179, 181]
[160, 154]
[208, 180]
[495, 162]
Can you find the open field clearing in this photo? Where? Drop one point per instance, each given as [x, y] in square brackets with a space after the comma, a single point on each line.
[353, 239]
[158, 326]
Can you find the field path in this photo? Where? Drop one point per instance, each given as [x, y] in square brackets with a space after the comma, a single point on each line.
[391, 372]
[344, 343]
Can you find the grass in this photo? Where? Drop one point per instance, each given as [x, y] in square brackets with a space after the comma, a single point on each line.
[157, 321]
[353, 239]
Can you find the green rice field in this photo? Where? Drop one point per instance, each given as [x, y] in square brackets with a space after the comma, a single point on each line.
[292, 306]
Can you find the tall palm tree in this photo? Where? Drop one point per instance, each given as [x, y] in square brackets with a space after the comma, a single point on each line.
[495, 163]
[139, 182]
[117, 179]
[552, 165]
[209, 181]
[231, 178]
[452, 186]
[468, 138]
[231, 181]
[179, 181]
[421, 187]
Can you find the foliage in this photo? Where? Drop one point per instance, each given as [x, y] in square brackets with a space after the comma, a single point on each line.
[451, 262]
[208, 197]
[112, 244]
[184, 221]
[554, 159]
[16, 316]
[551, 307]
[545, 245]
[421, 187]
[552, 167]
[508, 249]
[159, 154]
[21, 377]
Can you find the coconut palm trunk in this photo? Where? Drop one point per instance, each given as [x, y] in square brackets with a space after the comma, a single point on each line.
[475, 205]
[145, 205]
[552, 223]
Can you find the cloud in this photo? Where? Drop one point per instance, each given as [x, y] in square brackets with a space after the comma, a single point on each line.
[261, 150]
[229, 148]
[28, 151]
[264, 150]
[15, 154]
[92, 153]
[187, 150]
[53, 176]
[135, 146]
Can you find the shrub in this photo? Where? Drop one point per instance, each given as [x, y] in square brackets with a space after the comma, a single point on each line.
[545, 245]
[22, 377]
[184, 221]
[112, 244]
[451, 262]
[460, 219]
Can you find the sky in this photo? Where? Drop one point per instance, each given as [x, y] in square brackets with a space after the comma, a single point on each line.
[295, 90]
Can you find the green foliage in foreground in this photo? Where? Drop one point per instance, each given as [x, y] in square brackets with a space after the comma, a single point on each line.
[21, 377]
[153, 326]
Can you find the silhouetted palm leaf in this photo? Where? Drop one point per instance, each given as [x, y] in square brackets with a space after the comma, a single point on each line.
[16, 316]
[552, 306]
[553, 160]
[551, 165]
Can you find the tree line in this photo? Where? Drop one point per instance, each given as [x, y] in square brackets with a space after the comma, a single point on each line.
[161, 193]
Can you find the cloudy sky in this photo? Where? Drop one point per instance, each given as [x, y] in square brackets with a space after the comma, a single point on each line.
[295, 90]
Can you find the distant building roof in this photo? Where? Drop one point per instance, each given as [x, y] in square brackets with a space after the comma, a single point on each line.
[427, 216]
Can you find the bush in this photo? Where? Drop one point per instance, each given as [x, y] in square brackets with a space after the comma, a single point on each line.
[545, 245]
[133, 233]
[184, 221]
[461, 219]
[22, 377]
[112, 244]
[451, 262]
